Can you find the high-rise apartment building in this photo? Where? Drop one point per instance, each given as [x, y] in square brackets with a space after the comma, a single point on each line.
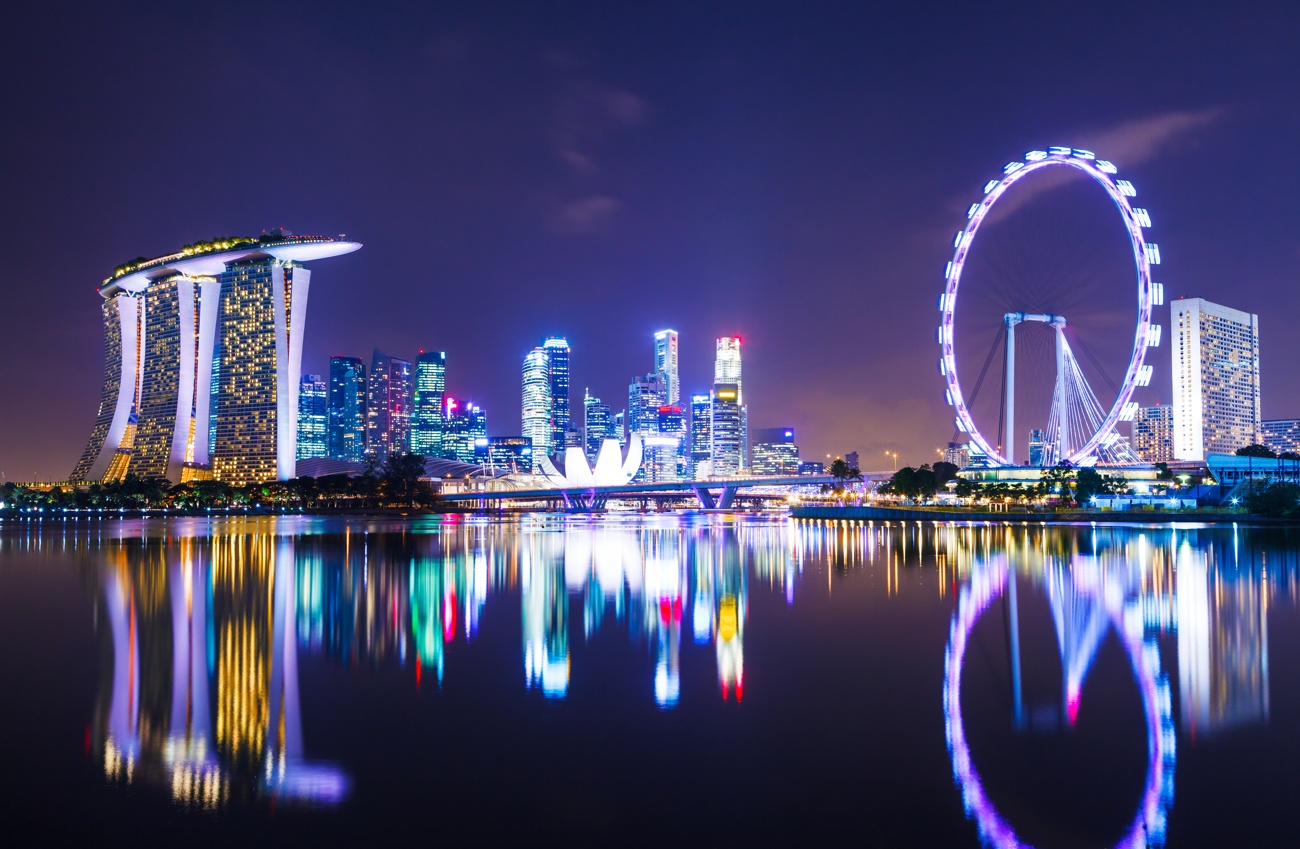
[537, 405]
[725, 438]
[203, 350]
[347, 409]
[430, 387]
[701, 420]
[1153, 434]
[1281, 435]
[313, 394]
[775, 452]
[666, 363]
[598, 425]
[388, 406]
[1215, 353]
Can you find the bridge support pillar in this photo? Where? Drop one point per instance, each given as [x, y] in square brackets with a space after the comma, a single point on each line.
[728, 496]
[705, 497]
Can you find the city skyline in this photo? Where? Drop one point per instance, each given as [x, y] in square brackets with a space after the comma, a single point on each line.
[551, 159]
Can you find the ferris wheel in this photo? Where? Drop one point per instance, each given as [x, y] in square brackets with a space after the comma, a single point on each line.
[1080, 430]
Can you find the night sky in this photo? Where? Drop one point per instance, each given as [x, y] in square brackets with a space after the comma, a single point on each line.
[792, 173]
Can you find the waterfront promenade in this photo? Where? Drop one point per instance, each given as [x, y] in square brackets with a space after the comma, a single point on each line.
[925, 514]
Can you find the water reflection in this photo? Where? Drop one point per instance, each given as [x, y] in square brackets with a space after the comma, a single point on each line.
[203, 626]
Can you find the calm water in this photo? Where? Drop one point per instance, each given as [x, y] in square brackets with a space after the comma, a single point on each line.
[665, 680]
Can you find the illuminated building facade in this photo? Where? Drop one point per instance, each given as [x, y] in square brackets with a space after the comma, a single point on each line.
[347, 409]
[537, 404]
[557, 365]
[726, 369]
[1215, 354]
[466, 424]
[701, 439]
[313, 417]
[1281, 435]
[1153, 434]
[388, 406]
[725, 438]
[665, 454]
[202, 353]
[598, 425]
[1037, 446]
[666, 363]
[645, 395]
[957, 453]
[512, 454]
[430, 387]
[775, 452]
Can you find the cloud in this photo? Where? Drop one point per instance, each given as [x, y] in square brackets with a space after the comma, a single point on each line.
[583, 215]
[585, 114]
[1135, 142]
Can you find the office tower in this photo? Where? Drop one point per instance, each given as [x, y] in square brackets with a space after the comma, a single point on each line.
[812, 468]
[430, 386]
[313, 394]
[598, 425]
[1215, 355]
[1153, 434]
[347, 409]
[645, 395]
[1281, 435]
[958, 454]
[513, 454]
[724, 432]
[557, 363]
[666, 363]
[466, 423]
[701, 419]
[775, 453]
[537, 404]
[726, 369]
[665, 457]
[620, 428]
[388, 407]
[1037, 446]
[202, 351]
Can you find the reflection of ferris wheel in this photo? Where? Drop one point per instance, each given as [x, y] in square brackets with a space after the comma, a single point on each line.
[1080, 430]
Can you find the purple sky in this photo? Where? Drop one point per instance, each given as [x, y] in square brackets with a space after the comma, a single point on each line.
[789, 172]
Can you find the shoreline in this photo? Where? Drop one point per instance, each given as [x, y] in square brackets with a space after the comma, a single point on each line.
[1071, 517]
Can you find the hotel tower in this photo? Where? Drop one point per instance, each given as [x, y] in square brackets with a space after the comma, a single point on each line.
[202, 361]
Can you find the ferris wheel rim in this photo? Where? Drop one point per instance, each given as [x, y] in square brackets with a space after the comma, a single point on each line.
[1145, 254]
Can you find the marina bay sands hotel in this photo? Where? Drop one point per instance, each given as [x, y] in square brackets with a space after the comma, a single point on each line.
[202, 359]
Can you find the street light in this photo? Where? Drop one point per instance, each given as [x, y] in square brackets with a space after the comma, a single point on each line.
[893, 454]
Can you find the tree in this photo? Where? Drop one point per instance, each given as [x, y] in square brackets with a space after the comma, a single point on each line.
[402, 473]
[843, 473]
[1056, 480]
[944, 472]
[1279, 498]
[1257, 450]
[1090, 482]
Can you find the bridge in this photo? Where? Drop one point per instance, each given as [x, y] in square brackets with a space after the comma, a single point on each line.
[711, 494]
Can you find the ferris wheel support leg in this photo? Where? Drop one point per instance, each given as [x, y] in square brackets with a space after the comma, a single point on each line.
[1061, 452]
[1009, 440]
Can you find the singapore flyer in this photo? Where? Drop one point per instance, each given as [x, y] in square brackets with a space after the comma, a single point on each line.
[1062, 300]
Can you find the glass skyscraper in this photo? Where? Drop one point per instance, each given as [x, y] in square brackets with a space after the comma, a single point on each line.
[557, 362]
[598, 425]
[430, 387]
[726, 369]
[701, 438]
[347, 409]
[725, 424]
[388, 407]
[313, 394]
[202, 353]
[666, 363]
[466, 425]
[537, 404]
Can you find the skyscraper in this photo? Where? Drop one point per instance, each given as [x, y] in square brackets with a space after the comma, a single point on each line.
[725, 437]
[1153, 434]
[347, 409]
[537, 404]
[666, 363]
[466, 425]
[1215, 355]
[598, 425]
[645, 395]
[430, 386]
[665, 459]
[1281, 435]
[388, 406]
[313, 394]
[701, 419]
[557, 363]
[202, 355]
[1037, 446]
[775, 452]
[726, 369]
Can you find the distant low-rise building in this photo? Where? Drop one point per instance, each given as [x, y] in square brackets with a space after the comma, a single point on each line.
[774, 451]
